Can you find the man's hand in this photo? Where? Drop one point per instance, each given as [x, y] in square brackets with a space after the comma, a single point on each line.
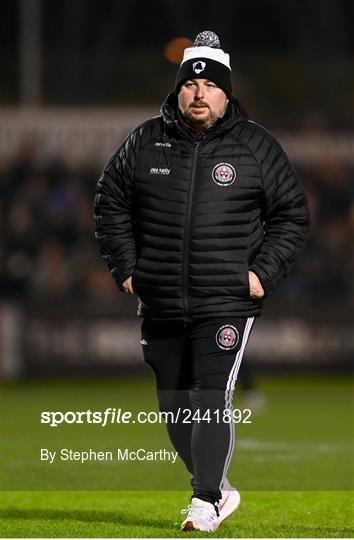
[256, 289]
[127, 286]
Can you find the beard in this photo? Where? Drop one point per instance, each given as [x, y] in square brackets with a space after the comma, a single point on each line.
[199, 124]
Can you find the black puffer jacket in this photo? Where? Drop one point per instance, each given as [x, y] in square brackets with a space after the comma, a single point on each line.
[189, 215]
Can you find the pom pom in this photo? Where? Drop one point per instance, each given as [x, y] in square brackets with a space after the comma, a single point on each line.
[207, 39]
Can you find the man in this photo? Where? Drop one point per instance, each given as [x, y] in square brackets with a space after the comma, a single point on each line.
[200, 214]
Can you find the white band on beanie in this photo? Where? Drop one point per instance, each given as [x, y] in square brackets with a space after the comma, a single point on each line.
[207, 52]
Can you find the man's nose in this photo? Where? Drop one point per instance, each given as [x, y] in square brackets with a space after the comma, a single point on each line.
[199, 92]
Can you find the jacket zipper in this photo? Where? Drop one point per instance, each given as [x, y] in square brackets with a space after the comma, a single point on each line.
[187, 230]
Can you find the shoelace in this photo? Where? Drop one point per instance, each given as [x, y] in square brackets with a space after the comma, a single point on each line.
[186, 510]
[200, 512]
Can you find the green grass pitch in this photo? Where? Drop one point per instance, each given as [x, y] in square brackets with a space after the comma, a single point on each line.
[293, 465]
[146, 515]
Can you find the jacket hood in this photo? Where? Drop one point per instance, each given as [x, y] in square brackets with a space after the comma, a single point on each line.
[234, 114]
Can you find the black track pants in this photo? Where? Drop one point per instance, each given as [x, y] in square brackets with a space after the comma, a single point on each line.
[196, 367]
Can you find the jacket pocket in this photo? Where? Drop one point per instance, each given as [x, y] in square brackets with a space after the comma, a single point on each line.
[136, 280]
[245, 281]
[134, 284]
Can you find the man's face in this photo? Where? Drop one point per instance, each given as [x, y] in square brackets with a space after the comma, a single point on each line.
[201, 103]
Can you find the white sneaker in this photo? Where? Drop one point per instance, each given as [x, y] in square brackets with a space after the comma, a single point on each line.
[229, 501]
[201, 516]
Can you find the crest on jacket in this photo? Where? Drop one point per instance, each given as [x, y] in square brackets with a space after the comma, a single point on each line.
[227, 337]
[224, 174]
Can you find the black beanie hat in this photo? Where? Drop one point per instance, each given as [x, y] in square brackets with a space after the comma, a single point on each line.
[205, 60]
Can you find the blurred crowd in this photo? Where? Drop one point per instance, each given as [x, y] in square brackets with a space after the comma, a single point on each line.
[48, 251]
[48, 248]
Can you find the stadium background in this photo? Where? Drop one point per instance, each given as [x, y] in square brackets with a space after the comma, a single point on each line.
[77, 76]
